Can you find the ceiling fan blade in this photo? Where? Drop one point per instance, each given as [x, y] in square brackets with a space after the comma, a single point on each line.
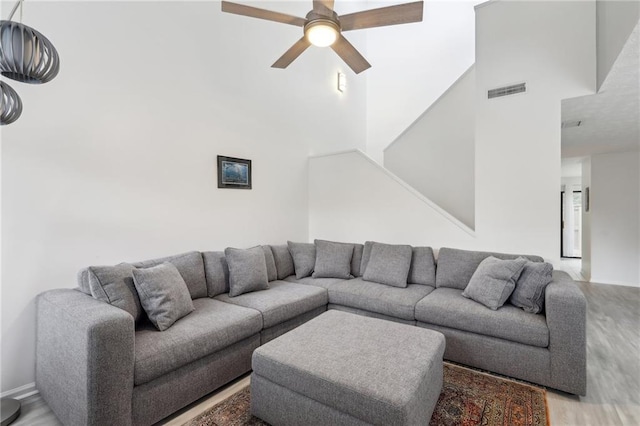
[350, 55]
[254, 12]
[291, 54]
[323, 7]
[391, 15]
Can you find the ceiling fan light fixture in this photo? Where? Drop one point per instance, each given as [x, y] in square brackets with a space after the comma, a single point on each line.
[321, 32]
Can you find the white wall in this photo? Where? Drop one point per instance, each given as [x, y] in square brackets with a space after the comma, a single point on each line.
[586, 221]
[115, 159]
[413, 65]
[353, 198]
[436, 154]
[615, 208]
[615, 21]
[551, 47]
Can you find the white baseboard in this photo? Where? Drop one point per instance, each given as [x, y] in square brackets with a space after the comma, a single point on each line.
[22, 392]
[596, 280]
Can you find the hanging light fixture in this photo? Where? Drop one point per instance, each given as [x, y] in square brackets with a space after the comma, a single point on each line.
[26, 55]
[10, 104]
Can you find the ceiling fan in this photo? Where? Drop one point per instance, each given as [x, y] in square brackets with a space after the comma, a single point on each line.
[323, 27]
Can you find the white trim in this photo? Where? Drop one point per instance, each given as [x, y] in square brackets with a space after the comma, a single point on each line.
[331, 154]
[450, 88]
[407, 187]
[21, 392]
[486, 3]
[613, 282]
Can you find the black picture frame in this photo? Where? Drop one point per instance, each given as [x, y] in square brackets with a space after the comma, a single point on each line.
[234, 173]
[587, 200]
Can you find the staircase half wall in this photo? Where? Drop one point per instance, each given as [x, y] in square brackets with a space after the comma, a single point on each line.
[353, 198]
[435, 155]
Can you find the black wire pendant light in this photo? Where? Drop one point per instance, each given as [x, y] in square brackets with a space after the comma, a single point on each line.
[26, 56]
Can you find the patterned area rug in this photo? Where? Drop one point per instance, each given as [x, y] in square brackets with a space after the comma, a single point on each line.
[468, 398]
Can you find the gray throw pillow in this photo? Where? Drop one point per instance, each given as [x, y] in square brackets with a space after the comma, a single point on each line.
[247, 270]
[333, 260]
[388, 264]
[304, 258]
[164, 295]
[493, 281]
[530, 287]
[114, 285]
[272, 272]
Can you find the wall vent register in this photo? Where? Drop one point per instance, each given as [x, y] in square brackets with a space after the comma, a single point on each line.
[507, 90]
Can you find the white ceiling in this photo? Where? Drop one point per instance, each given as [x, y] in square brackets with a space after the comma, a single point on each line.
[610, 118]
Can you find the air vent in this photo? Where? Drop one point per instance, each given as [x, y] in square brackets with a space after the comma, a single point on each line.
[507, 90]
[573, 123]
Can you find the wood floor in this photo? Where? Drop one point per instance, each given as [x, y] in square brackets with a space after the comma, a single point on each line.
[613, 373]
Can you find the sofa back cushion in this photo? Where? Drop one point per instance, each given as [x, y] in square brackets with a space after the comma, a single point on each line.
[284, 261]
[423, 267]
[114, 285]
[216, 272]
[366, 254]
[272, 271]
[304, 258]
[356, 260]
[190, 266]
[456, 267]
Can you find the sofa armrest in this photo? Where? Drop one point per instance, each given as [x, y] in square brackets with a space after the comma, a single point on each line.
[566, 312]
[84, 358]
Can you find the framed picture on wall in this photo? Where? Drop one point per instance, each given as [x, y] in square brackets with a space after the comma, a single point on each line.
[586, 199]
[234, 173]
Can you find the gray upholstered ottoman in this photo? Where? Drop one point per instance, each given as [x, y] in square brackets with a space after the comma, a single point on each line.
[345, 369]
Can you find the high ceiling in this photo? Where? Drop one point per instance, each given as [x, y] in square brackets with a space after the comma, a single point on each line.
[610, 118]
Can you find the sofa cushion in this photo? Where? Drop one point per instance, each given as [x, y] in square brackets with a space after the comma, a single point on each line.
[366, 254]
[530, 287]
[114, 285]
[494, 281]
[389, 264]
[284, 261]
[448, 308]
[318, 282]
[304, 258]
[456, 267]
[217, 272]
[272, 272]
[356, 260]
[333, 260]
[213, 326]
[190, 266]
[423, 267]
[247, 270]
[281, 302]
[164, 295]
[380, 298]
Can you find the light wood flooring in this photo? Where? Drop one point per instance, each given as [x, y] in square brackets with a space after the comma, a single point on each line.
[613, 373]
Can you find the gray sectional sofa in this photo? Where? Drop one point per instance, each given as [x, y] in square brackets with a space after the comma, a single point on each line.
[100, 363]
